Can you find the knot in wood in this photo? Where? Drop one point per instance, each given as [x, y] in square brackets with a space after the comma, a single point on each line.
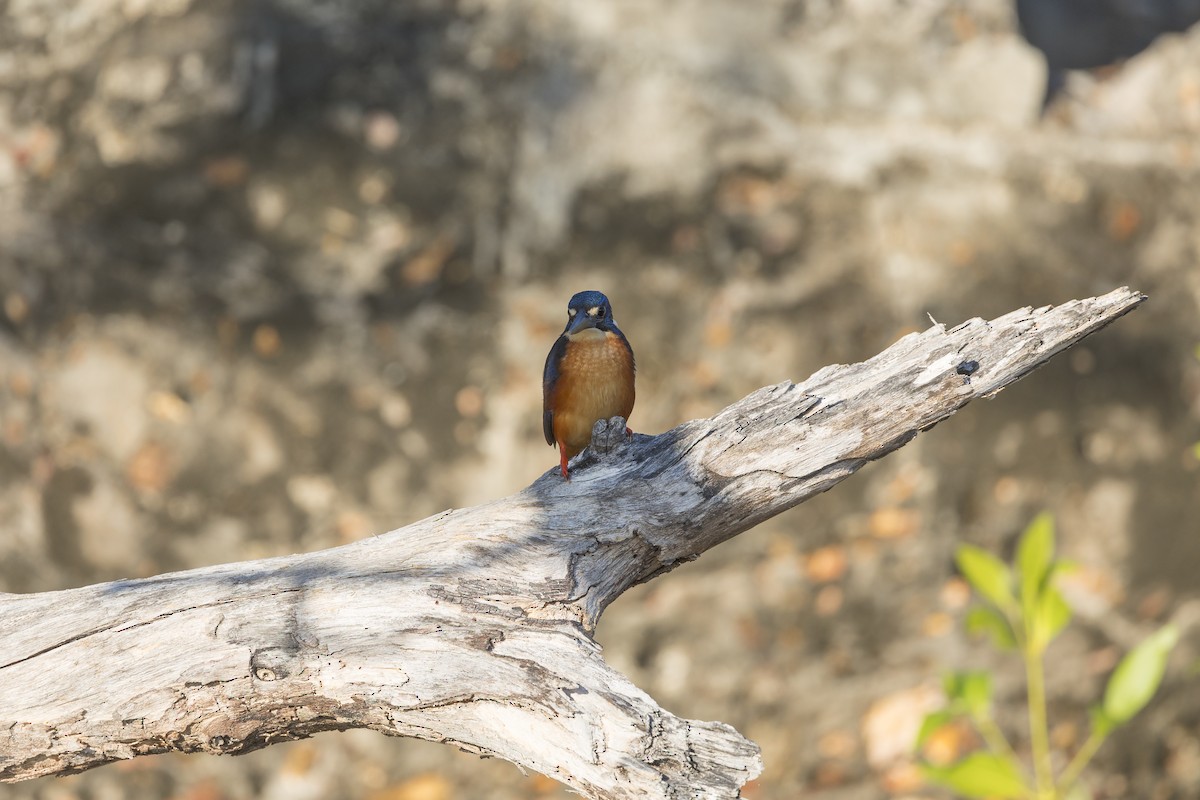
[220, 742]
[269, 663]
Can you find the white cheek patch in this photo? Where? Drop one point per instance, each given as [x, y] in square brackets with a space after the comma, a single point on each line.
[593, 311]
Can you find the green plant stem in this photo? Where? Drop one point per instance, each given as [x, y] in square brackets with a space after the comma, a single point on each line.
[1039, 737]
[1081, 760]
[995, 739]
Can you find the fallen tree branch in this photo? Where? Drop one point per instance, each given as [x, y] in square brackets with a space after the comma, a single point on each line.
[473, 627]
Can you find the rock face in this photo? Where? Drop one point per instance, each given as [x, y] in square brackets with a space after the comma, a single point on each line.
[280, 275]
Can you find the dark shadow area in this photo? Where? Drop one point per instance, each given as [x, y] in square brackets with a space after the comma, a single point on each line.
[271, 119]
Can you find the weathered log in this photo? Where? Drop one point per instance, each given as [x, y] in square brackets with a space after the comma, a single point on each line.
[473, 627]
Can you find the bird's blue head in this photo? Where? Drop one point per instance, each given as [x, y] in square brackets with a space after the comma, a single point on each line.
[589, 311]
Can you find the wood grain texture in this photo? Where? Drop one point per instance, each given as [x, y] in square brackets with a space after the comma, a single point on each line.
[473, 627]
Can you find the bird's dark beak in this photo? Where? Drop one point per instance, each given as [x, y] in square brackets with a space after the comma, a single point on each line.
[581, 321]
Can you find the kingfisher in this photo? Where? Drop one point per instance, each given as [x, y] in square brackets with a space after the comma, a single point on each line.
[588, 376]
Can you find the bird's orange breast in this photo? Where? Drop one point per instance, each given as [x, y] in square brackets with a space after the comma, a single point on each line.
[595, 382]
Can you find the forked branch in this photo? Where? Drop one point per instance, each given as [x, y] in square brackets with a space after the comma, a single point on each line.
[473, 626]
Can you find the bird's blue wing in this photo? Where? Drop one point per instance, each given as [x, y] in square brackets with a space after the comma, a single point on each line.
[549, 379]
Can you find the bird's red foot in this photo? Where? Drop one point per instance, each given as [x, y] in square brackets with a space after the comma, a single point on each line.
[563, 460]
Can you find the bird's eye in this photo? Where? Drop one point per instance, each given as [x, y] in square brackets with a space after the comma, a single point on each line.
[602, 312]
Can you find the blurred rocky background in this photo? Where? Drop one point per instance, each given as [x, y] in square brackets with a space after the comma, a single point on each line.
[280, 274]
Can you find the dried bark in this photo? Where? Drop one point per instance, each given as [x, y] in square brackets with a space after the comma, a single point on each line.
[473, 627]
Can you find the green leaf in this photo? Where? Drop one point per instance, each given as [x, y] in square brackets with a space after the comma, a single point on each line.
[952, 685]
[977, 693]
[969, 692]
[1050, 617]
[980, 775]
[932, 723]
[983, 619]
[989, 575]
[1035, 553]
[1102, 724]
[1137, 677]
[1062, 566]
